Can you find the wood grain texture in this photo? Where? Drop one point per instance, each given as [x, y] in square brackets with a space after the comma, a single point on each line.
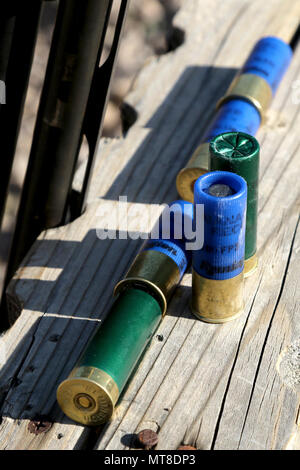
[231, 386]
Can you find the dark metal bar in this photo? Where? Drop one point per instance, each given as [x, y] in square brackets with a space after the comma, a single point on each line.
[72, 104]
[96, 109]
[7, 25]
[295, 39]
[18, 32]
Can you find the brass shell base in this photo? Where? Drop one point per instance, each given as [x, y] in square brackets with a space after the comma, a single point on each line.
[156, 273]
[215, 321]
[197, 165]
[88, 396]
[217, 301]
[250, 265]
[252, 88]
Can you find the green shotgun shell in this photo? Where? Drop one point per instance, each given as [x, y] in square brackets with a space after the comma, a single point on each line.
[91, 391]
[238, 152]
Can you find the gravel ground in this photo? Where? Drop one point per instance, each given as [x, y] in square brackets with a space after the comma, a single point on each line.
[145, 32]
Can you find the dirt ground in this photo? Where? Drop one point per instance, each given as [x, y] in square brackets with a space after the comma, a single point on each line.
[145, 34]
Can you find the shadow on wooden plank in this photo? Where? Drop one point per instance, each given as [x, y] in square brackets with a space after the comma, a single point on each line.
[176, 130]
[36, 390]
[36, 352]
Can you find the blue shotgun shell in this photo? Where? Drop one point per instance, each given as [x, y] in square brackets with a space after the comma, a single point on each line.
[224, 196]
[175, 222]
[235, 115]
[269, 59]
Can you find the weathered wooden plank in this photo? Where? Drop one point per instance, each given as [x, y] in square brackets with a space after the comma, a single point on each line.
[151, 405]
[274, 398]
[185, 384]
[255, 368]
